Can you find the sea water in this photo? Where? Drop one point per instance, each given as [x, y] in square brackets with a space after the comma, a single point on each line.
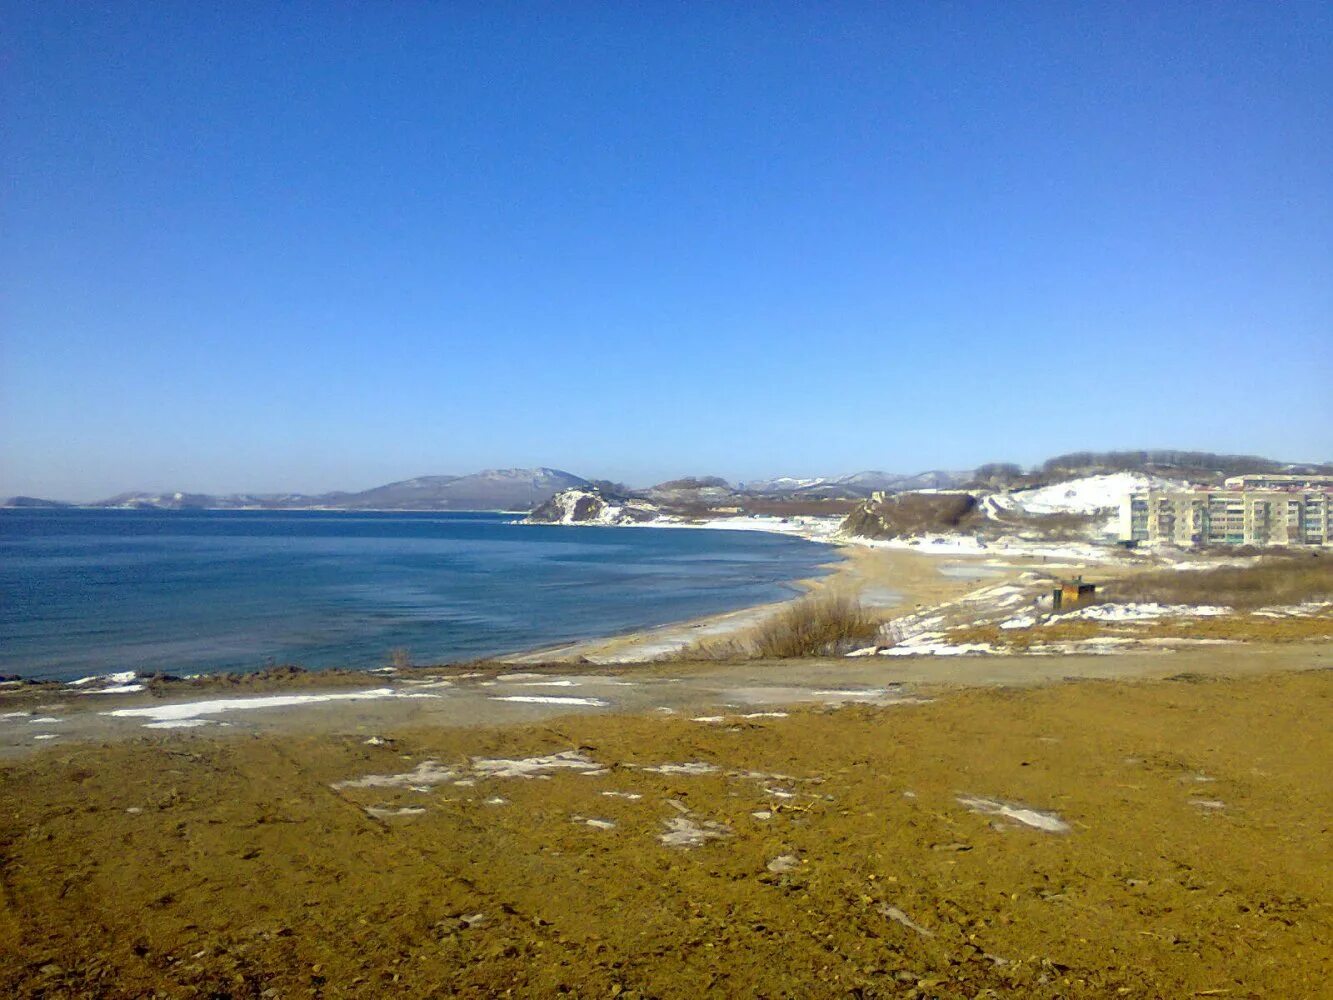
[94, 591]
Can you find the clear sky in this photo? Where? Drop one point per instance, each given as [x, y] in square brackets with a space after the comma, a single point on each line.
[309, 246]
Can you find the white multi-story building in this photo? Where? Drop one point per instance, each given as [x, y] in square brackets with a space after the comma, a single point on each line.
[1279, 482]
[1259, 517]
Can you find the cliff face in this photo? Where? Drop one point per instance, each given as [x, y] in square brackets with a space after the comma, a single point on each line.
[905, 515]
[590, 505]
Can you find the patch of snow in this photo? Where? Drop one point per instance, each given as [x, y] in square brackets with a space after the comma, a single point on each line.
[123, 677]
[430, 684]
[380, 812]
[630, 796]
[45, 736]
[1293, 610]
[1038, 820]
[117, 689]
[596, 824]
[941, 649]
[694, 767]
[531, 767]
[194, 709]
[811, 528]
[424, 775]
[1182, 640]
[1140, 612]
[943, 545]
[178, 724]
[550, 699]
[681, 831]
[715, 719]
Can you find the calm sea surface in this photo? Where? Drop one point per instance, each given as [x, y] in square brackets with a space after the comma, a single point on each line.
[91, 591]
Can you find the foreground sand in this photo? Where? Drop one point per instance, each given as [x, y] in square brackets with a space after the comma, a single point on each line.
[1195, 863]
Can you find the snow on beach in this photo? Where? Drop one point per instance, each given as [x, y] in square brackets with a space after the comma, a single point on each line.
[193, 711]
[122, 682]
[1140, 612]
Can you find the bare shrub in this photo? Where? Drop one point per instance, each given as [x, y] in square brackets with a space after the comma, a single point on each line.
[400, 659]
[820, 624]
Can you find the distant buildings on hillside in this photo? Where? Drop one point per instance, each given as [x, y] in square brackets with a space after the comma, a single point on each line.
[1259, 510]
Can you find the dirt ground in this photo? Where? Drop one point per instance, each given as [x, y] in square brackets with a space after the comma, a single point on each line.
[1164, 838]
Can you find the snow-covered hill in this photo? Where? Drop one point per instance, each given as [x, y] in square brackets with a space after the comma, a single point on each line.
[1088, 495]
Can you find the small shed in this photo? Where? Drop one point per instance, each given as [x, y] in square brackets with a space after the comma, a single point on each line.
[1073, 594]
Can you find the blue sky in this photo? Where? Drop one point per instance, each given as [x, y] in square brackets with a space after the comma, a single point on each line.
[299, 246]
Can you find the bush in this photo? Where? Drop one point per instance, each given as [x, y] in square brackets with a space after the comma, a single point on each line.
[820, 624]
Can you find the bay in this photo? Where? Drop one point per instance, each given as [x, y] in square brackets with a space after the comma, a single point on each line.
[85, 591]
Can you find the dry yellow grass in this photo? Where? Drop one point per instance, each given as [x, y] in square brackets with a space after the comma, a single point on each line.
[1234, 628]
[1288, 579]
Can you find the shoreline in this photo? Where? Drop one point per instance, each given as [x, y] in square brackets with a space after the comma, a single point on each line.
[890, 579]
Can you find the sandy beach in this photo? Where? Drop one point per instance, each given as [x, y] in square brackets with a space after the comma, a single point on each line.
[886, 582]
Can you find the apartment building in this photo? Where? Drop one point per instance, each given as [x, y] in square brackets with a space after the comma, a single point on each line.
[1259, 517]
[1279, 482]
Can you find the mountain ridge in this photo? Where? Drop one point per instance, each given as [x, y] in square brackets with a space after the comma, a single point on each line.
[528, 488]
